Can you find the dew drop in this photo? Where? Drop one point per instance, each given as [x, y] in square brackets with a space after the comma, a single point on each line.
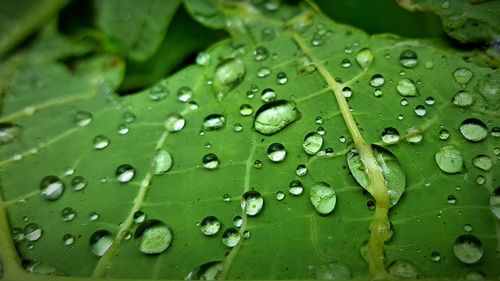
[272, 117]
[452, 200]
[229, 74]
[154, 235]
[276, 152]
[203, 59]
[263, 72]
[280, 195]
[208, 271]
[364, 58]
[404, 102]
[158, 92]
[174, 122]
[408, 58]
[346, 63]
[443, 134]
[301, 170]
[162, 162]
[420, 110]
[407, 88]
[210, 225]
[82, 118]
[100, 241]
[483, 162]
[252, 203]
[268, 95]
[377, 80]
[9, 132]
[449, 159]
[246, 110]
[231, 237]
[93, 216]
[435, 256]
[403, 268]
[495, 132]
[257, 164]
[281, 78]
[51, 188]
[123, 129]
[32, 232]
[462, 75]
[184, 94]
[495, 202]
[210, 161]
[295, 187]
[78, 183]
[323, 198]
[378, 93]
[312, 143]
[214, 122]
[100, 142]
[473, 129]
[390, 135]
[125, 173]
[260, 53]
[467, 227]
[238, 127]
[414, 135]
[468, 249]
[238, 221]
[68, 214]
[68, 239]
[17, 233]
[347, 92]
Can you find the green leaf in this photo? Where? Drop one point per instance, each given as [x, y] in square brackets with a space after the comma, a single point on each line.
[137, 26]
[135, 212]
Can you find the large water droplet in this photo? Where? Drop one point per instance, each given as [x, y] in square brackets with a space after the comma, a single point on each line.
[408, 58]
[32, 232]
[208, 271]
[214, 122]
[174, 122]
[483, 162]
[364, 58]
[9, 132]
[125, 173]
[312, 143]
[392, 171]
[323, 198]
[407, 88]
[473, 129]
[252, 203]
[462, 75]
[155, 237]
[403, 269]
[210, 225]
[295, 187]
[390, 135]
[100, 241]
[276, 152]
[231, 237]
[51, 188]
[377, 80]
[82, 118]
[272, 117]
[449, 159]
[468, 249]
[228, 74]
[210, 161]
[162, 162]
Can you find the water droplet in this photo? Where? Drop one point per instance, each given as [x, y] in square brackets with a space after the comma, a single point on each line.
[342, 139]
[38, 268]
[319, 120]
[68, 239]
[347, 92]
[404, 102]
[184, 94]
[495, 202]
[268, 95]
[332, 271]
[281, 78]
[9, 132]
[312, 143]
[257, 164]
[390, 135]
[420, 110]
[430, 101]
[238, 127]
[295, 187]
[246, 234]
[128, 117]
[272, 117]
[429, 65]
[462, 75]
[364, 58]
[203, 59]
[208, 271]
[408, 58]
[435, 256]
[473, 129]
[32, 232]
[101, 142]
[483, 162]
[449, 159]
[210, 161]
[280, 195]
[392, 171]
[155, 237]
[158, 92]
[305, 65]
[174, 122]
[321, 131]
[162, 162]
[407, 88]
[68, 214]
[17, 233]
[495, 132]
[480, 179]
[323, 198]
[93, 216]
[378, 93]
[301, 170]
[403, 269]
[346, 63]
[193, 105]
[414, 135]
[263, 72]
[467, 227]
[125, 173]
[78, 183]
[210, 225]
[468, 249]
[246, 110]
[252, 203]
[100, 241]
[377, 80]
[260, 53]
[475, 276]
[276, 152]
[452, 199]
[139, 216]
[82, 118]
[228, 74]
[123, 129]
[443, 134]
[214, 122]
[51, 188]
[231, 237]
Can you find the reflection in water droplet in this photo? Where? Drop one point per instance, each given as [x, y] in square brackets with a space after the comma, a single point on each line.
[101, 142]
[347, 92]
[390, 135]
[184, 94]
[403, 269]
[468, 249]
[100, 241]
[155, 236]
[407, 88]
[128, 117]
[276, 152]
[231, 237]
[312, 143]
[32, 232]
[323, 198]
[162, 162]
[378, 93]
[252, 203]
[295, 187]
[280, 195]
[364, 58]
[68, 214]
[449, 159]
[377, 80]
[281, 78]
[301, 170]
[435, 256]
[462, 75]
[214, 122]
[51, 188]
[420, 110]
[125, 173]
[174, 122]
[404, 102]
[68, 239]
[260, 53]
[238, 127]
[210, 225]
[246, 110]
[483, 162]
[9, 132]
[272, 117]
[82, 118]
[430, 101]
[443, 134]
[268, 95]
[495, 202]
[78, 183]
[238, 221]
[495, 132]
[139, 216]
[408, 58]
[210, 161]
[208, 271]
[123, 129]
[473, 129]
[346, 63]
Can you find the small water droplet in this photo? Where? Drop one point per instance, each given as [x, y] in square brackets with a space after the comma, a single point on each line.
[210, 225]
[100, 142]
[246, 234]
[229, 74]
[210, 161]
[301, 170]
[100, 241]
[203, 59]
[295, 187]
[429, 65]
[123, 129]
[407, 88]
[347, 92]
[430, 101]
[263, 72]
[378, 93]
[238, 127]
[467, 227]
[276, 152]
[17, 233]
[323, 198]
[364, 58]
[483, 162]
[231, 237]
[184, 94]
[246, 110]
[495, 132]
[468, 249]
[268, 95]
[78, 183]
[208, 271]
[125, 173]
[414, 135]
[495, 202]
[93, 216]
[404, 102]
[443, 134]
[272, 117]
[139, 216]
[32, 232]
[377, 80]
[9, 132]
[281, 78]
[408, 58]
[420, 110]
[174, 122]
[214, 122]
[82, 118]
[128, 117]
[312, 143]
[68, 214]
[260, 53]
[390, 135]
[68, 239]
[257, 164]
[154, 235]
[162, 162]
[280, 195]
[321, 131]
[346, 63]
[473, 129]
[158, 92]
[252, 203]
[449, 159]
[452, 199]
[51, 188]
[403, 268]
[435, 256]
[462, 75]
